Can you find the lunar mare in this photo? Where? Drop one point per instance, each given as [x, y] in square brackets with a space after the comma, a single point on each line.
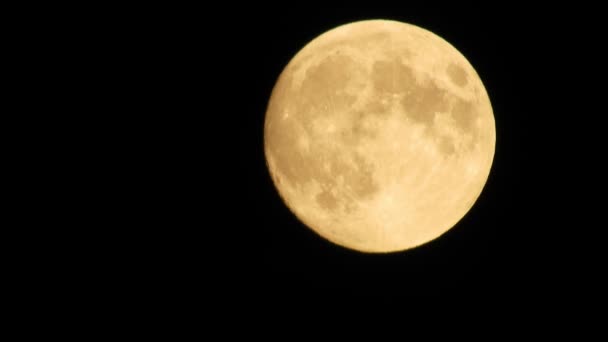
[379, 136]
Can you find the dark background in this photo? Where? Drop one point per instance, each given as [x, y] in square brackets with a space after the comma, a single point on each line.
[150, 197]
[524, 238]
[194, 216]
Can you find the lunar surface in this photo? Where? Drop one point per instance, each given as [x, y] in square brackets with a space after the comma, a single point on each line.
[379, 136]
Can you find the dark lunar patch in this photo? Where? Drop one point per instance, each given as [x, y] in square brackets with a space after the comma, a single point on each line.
[361, 179]
[422, 104]
[457, 75]
[378, 104]
[337, 167]
[296, 165]
[322, 91]
[446, 145]
[350, 207]
[464, 114]
[299, 167]
[359, 129]
[330, 75]
[392, 77]
[326, 200]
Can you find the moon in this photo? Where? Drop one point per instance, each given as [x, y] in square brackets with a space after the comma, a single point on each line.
[379, 136]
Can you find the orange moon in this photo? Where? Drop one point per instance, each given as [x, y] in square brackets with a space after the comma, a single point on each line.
[379, 136]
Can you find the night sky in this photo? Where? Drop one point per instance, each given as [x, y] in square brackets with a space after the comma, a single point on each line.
[151, 202]
[520, 239]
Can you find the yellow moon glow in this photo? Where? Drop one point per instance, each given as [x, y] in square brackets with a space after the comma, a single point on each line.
[379, 136]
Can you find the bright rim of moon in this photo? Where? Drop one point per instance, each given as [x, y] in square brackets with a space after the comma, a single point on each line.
[379, 136]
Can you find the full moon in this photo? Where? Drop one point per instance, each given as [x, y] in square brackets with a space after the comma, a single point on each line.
[379, 136]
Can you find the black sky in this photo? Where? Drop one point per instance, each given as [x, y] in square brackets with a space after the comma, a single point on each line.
[156, 205]
[496, 248]
[520, 239]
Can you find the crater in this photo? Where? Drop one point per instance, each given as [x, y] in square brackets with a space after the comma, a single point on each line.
[457, 75]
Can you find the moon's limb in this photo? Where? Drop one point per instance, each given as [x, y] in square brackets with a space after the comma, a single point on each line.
[379, 136]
